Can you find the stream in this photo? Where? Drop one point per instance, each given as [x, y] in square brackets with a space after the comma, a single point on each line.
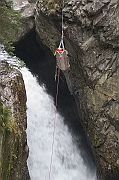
[72, 158]
[67, 161]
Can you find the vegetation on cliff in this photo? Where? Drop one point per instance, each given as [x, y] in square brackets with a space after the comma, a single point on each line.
[9, 22]
[8, 129]
[13, 154]
[5, 115]
[7, 122]
[51, 6]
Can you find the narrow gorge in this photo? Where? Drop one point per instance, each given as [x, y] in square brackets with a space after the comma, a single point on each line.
[43, 68]
[91, 37]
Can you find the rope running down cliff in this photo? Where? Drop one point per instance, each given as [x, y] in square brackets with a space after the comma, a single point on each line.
[57, 88]
[62, 20]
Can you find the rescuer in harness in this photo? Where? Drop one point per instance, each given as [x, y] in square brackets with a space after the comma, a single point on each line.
[62, 60]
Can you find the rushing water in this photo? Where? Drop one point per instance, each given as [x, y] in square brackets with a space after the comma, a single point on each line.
[67, 162]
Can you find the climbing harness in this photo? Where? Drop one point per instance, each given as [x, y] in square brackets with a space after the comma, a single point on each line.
[62, 60]
[61, 45]
[62, 33]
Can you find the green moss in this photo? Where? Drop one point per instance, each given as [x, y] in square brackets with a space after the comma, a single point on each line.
[12, 146]
[32, 1]
[1, 108]
[4, 117]
[9, 22]
[8, 170]
[112, 164]
[7, 122]
[11, 169]
[53, 4]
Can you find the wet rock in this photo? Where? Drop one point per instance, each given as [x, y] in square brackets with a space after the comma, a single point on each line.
[13, 154]
[91, 33]
[91, 37]
[27, 17]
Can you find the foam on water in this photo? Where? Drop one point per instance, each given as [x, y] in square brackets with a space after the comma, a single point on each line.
[67, 161]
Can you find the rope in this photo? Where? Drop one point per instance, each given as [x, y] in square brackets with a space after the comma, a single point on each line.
[61, 44]
[62, 33]
[56, 103]
[62, 20]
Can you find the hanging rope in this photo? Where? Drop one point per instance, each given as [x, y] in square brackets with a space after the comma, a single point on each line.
[62, 33]
[62, 20]
[56, 103]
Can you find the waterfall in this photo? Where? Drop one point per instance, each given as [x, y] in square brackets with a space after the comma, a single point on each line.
[67, 161]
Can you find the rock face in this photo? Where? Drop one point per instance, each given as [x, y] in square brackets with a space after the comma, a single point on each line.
[26, 10]
[13, 142]
[13, 145]
[91, 32]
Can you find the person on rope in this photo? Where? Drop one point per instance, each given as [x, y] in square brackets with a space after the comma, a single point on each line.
[62, 60]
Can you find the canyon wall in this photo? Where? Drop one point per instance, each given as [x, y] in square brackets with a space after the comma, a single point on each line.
[91, 35]
[13, 143]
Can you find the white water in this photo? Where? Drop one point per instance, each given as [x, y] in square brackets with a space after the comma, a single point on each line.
[67, 161]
